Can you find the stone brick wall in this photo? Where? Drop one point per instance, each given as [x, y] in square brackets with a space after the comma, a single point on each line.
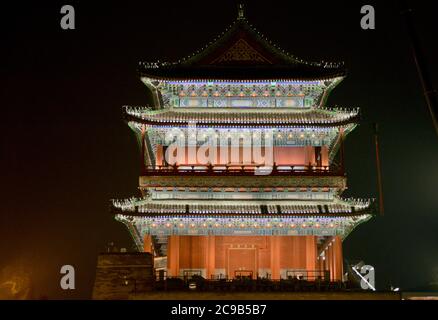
[123, 275]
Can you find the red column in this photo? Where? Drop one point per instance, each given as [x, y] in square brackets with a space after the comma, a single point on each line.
[173, 256]
[147, 244]
[159, 156]
[311, 256]
[275, 257]
[330, 261]
[338, 259]
[320, 265]
[211, 256]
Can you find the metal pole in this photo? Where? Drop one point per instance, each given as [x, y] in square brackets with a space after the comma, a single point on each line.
[379, 171]
[420, 63]
[143, 150]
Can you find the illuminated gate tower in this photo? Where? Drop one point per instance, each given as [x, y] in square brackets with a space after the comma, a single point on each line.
[221, 219]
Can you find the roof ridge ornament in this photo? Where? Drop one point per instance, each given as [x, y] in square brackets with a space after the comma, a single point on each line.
[241, 12]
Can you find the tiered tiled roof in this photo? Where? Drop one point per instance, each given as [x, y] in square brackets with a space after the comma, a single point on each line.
[243, 117]
[241, 52]
[241, 208]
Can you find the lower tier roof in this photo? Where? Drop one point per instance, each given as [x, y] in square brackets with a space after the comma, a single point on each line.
[242, 117]
[218, 225]
[148, 207]
[147, 216]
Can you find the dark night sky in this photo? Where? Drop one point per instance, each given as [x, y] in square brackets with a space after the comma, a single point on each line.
[66, 151]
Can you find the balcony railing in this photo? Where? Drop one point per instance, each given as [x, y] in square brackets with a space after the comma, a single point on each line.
[238, 169]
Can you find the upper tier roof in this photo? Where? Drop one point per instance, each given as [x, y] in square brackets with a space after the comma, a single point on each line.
[241, 53]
